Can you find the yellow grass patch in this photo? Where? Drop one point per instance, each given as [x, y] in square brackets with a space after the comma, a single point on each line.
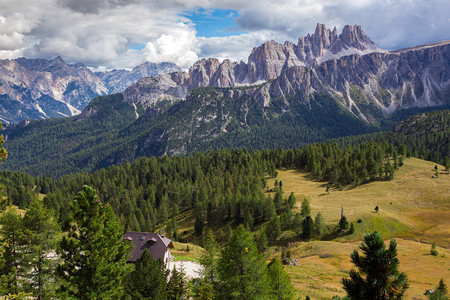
[322, 265]
[413, 205]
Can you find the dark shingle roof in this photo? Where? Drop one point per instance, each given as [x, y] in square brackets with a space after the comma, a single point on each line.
[155, 243]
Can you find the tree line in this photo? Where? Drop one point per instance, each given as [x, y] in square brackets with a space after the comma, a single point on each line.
[219, 187]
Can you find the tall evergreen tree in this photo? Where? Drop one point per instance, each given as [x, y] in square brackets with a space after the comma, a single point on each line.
[280, 281]
[440, 291]
[307, 228]
[242, 271]
[177, 285]
[208, 258]
[273, 229]
[11, 233]
[380, 267]
[262, 242]
[318, 224]
[306, 210]
[40, 232]
[148, 280]
[94, 256]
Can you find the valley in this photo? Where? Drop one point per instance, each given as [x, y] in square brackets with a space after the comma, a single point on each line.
[267, 172]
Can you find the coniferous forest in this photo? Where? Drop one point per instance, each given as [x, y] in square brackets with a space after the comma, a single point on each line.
[62, 237]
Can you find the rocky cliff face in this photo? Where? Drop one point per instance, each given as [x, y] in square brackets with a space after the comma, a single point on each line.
[269, 60]
[368, 81]
[40, 88]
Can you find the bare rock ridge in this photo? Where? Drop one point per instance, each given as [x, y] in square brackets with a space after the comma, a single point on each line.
[41, 88]
[370, 82]
[269, 60]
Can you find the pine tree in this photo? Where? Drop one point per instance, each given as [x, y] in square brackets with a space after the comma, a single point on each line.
[318, 224]
[297, 223]
[280, 282]
[306, 210]
[40, 230]
[13, 268]
[440, 292]
[242, 271]
[262, 242]
[291, 200]
[208, 258]
[343, 224]
[94, 256]
[278, 199]
[380, 267]
[177, 285]
[198, 226]
[273, 229]
[148, 280]
[307, 228]
[433, 250]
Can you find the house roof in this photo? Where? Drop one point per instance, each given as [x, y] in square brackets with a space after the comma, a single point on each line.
[155, 243]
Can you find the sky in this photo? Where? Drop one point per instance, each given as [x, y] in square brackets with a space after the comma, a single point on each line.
[107, 34]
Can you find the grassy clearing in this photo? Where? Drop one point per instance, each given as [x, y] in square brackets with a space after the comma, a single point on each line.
[180, 251]
[322, 265]
[414, 208]
[413, 205]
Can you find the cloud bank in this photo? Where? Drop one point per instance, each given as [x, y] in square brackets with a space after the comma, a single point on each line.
[123, 33]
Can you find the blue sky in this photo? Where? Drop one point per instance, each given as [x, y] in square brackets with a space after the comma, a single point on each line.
[214, 22]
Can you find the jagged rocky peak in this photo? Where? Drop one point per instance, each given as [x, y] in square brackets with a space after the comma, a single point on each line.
[201, 73]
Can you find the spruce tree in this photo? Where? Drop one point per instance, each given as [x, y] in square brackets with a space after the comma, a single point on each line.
[306, 210]
[13, 267]
[440, 292]
[343, 224]
[242, 271]
[280, 282]
[94, 256]
[318, 224]
[177, 285]
[262, 242]
[208, 258]
[307, 228]
[40, 232]
[148, 280]
[297, 223]
[379, 266]
[273, 229]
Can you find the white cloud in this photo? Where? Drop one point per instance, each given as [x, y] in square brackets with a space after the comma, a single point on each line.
[99, 32]
[178, 45]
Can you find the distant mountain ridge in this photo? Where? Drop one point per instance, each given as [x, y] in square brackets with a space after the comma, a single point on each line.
[370, 82]
[41, 88]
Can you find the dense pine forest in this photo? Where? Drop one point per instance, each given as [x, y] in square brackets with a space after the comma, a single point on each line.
[218, 186]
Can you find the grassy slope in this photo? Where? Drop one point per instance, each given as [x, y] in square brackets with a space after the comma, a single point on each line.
[414, 208]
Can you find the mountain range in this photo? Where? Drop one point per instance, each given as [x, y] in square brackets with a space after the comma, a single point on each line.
[40, 88]
[325, 86]
[370, 82]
